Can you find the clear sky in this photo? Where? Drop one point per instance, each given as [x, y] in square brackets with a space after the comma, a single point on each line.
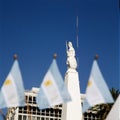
[36, 29]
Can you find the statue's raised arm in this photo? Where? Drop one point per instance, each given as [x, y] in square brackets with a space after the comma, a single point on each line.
[70, 50]
[71, 60]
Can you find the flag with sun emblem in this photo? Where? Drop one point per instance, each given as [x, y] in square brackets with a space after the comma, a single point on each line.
[97, 91]
[12, 91]
[52, 90]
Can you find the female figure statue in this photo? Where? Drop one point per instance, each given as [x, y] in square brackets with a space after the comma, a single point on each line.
[71, 60]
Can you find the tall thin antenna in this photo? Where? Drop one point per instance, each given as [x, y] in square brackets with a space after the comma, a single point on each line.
[77, 31]
[77, 42]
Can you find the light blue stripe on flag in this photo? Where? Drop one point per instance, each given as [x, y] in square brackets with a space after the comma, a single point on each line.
[16, 73]
[101, 84]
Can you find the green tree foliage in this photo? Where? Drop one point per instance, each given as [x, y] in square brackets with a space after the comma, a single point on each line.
[114, 93]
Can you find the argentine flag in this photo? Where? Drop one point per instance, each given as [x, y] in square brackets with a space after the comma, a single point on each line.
[52, 90]
[12, 91]
[97, 91]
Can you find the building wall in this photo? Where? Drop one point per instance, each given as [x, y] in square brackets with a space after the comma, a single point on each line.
[31, 111]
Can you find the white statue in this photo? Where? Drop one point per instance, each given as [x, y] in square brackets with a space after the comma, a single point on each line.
[71, 60]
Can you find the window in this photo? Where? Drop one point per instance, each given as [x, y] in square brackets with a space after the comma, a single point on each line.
[34, 118]
[25, 109]
[20, 117]
[30, 99]
[38, 118]
[24, 117]
[34, 100]
[20, 109]
[34, 110]
[60, 105]
[42, 118]
[26, 98]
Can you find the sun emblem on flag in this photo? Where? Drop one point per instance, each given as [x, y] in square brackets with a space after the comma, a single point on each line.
[89, 83]
[48, 83]
[7, 82]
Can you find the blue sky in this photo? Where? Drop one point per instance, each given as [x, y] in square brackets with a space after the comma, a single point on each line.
[35, 30]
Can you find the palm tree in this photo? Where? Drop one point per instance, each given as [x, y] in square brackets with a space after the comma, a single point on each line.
[114, 93]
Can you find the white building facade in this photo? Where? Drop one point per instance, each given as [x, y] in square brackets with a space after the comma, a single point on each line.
[31, 111]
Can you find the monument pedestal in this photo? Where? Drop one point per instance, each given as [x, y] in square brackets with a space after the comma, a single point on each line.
[72, 110]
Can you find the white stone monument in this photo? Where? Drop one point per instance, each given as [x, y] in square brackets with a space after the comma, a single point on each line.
[72, 110]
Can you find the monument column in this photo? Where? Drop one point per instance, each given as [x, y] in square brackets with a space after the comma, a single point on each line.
[72, 110]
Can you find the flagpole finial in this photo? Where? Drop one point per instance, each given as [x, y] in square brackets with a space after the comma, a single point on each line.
[55, 56]
[15, 56]
[96, 57]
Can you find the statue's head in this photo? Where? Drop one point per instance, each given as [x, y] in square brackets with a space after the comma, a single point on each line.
[70, 44]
